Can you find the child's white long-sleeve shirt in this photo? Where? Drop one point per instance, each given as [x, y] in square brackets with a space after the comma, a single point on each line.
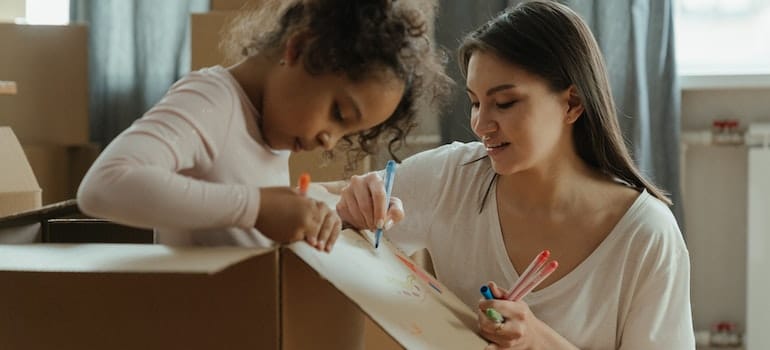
[191, 167]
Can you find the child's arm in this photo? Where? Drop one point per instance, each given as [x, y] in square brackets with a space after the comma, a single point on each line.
[138, 180]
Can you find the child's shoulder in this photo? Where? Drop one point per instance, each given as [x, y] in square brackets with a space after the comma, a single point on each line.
[215, 77]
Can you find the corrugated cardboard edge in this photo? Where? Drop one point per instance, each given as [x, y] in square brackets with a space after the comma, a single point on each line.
[122, 258]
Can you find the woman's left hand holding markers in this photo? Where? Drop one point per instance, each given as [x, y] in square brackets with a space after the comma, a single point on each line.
[291, 216]
[520, 328]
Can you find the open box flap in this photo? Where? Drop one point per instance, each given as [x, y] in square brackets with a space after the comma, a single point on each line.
[121, 258]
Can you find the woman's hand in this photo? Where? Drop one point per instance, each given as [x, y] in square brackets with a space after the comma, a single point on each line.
[520, 329]
[286, 216]
[362, 204]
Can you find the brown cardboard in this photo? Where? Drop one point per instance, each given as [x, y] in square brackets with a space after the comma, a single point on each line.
[231, 5]
[7, 87]
[137, 297]
[59, 169]
[50, 67]
[51, 167]
[322, 169]
[81, 157]
[109, 296]
[19, 191]
[206, 33]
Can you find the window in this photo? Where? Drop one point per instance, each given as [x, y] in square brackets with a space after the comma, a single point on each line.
[722, 37]
[47, 12]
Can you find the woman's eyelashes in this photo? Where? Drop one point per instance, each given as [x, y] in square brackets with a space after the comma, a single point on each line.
[505, 105]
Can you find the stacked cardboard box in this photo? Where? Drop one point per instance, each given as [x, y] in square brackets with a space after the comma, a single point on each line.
[18, 189]
[49, 112]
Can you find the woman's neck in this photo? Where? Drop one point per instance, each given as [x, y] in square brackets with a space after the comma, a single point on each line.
[558, 186]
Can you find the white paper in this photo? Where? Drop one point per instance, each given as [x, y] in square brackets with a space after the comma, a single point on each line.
[418, 311]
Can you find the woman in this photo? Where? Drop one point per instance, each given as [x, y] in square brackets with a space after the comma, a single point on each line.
[551, 172]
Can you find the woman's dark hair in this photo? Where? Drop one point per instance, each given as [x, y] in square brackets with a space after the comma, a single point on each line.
[357, 38]
[550, 40]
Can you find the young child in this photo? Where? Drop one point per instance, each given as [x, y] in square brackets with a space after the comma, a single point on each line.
[551, 172]
[208, 165]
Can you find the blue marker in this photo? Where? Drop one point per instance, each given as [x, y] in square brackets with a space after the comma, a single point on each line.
[486, 293]
[390, 173]
[491, 313]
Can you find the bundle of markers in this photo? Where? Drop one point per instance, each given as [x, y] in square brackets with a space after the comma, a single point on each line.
[537, 271]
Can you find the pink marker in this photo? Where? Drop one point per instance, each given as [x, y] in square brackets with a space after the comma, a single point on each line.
[540, 277]
[531, 271]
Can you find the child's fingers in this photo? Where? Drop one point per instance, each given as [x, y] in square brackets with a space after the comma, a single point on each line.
[333, 236]
[325, 231]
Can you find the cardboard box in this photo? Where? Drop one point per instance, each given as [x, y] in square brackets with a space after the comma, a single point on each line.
[102, 296]
[51, 167]
[8, 88]
[59, 169]
[19, 191]
[206, 31]
[50, 67]
[321, 169]
[231, 5]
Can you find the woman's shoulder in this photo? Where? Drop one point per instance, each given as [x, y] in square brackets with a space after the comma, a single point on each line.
[650, 223]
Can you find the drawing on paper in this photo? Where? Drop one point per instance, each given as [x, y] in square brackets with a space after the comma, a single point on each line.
[423, 276]
[408, 286]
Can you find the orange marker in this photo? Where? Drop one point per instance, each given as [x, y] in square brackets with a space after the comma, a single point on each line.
[304, 182]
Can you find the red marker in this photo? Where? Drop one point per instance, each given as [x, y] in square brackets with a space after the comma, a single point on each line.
[529, 273]
[304, 182]
[540, 277]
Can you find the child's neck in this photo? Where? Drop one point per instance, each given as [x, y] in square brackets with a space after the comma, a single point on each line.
[251, 74]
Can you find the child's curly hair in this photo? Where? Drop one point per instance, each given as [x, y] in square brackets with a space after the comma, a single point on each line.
[357, 38]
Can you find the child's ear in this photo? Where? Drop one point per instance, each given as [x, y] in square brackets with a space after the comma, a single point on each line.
[575, 106]
[294, 47]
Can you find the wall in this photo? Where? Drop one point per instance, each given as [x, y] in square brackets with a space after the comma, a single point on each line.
[11, 9]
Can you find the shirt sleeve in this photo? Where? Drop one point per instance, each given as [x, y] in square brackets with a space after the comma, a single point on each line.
[420, 181]
[660, 316]
[140, 180]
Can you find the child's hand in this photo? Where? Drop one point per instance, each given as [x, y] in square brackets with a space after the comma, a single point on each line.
[286, 216]
[362, 203]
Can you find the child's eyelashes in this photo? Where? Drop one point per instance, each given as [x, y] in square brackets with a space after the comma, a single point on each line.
[337, 114]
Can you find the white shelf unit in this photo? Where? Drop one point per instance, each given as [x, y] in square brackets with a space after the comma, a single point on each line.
[727, 216]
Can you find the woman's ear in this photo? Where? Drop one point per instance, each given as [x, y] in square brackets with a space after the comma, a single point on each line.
[575, 106]
[293, 49]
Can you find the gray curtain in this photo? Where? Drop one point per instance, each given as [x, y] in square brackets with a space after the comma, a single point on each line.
[637, 40]
[137, 49]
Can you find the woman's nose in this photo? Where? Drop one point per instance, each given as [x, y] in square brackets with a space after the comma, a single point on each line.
[483, 125]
